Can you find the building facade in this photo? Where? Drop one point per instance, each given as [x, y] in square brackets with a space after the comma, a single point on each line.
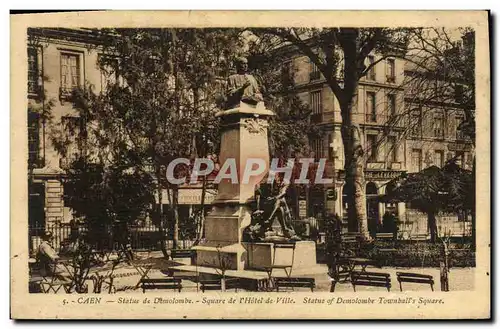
[398, 136]
[59, 60]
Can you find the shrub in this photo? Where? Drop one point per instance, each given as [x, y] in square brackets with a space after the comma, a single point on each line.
[407, 254]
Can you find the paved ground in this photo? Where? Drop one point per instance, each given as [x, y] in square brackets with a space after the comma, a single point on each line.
[460, 279]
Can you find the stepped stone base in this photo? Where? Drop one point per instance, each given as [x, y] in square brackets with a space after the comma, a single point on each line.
[223, 231]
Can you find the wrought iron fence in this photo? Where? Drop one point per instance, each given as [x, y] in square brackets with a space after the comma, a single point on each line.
[144, 237]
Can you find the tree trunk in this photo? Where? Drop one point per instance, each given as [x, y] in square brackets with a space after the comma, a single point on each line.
[161, 226]
[351, 134]
[444, 267]
[355, 179]
[175, 197]
[201, 217]
[203, 152]
[354, 173]
[432, 225]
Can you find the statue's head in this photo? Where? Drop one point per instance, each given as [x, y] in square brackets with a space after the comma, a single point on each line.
[241, 64]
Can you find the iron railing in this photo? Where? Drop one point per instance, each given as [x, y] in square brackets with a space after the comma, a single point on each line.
[144, 237]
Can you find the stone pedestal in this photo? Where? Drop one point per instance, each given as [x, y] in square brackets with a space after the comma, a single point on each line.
[244, 136]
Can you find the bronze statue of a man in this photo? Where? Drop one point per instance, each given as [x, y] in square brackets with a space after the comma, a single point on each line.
[242, 87]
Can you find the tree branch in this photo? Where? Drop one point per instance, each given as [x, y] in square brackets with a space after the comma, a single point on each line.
[292, 37]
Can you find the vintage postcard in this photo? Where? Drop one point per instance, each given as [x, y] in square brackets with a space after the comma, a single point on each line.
[250, 165]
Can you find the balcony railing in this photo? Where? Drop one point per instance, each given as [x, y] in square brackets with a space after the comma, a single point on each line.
[373, 164]
[395, 166]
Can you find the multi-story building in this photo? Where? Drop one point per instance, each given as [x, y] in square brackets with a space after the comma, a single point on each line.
[397, 135]
[380, 100]
[59, 60]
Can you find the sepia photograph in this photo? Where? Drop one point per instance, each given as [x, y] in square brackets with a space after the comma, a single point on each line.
[251, 166]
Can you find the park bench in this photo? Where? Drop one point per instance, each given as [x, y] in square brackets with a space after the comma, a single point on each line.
[388, 237]
[161, 283]
[350, 243]
[373, 279]
[419, 237]
[344, 266]
[384, 236]
[415, 278]
[216, 284]
[183, 253]
[351, 237]
[294, 283]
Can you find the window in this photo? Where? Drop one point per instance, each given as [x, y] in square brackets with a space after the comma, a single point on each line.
[286, 73]
[371, 110]
[391, 105]
[371, 72]
[391, 70]
[438, 125]
[416, 160]
[416, 123]
[330, 147]
[33, 73]
[317, 147]
[70, 72]
[391, 149]
[439, 158]
[460, 156]
[459, 119]
[372, 148]
[33, 140]
[470, 160]
[315, 73]
[315, 99]
[72, 130]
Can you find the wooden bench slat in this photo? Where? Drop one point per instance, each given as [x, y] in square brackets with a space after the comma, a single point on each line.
[374, 279]
[281, 279]
[372, 274]
[371, 283]
[371, 280]
[416, 275]
[384, 235]
[162, 280]
[182, 253]
[232, 283]
[161, 286]
[415, 280]
[295, 284]
[214, 287]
